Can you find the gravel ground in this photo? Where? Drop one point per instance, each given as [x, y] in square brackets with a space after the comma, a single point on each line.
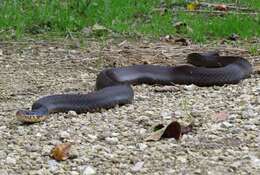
[112, 142]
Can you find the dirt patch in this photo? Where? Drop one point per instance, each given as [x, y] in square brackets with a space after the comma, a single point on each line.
[112, 142]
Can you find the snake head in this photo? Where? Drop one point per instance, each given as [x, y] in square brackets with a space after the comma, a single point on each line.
[26, 116]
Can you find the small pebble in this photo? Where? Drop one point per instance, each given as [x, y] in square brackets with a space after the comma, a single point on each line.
[92, 138]
[226, 125]
[53, 165]
[142, 146]
[166, 115]
[112, 140]
[4, 172]
[72, 114]
[74, 173]
[64, 134]
[189, 87]
[88, 170]
[137, 167]
[2, 154]
[10, 160]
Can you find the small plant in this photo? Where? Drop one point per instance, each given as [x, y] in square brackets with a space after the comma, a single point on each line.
[254, 50]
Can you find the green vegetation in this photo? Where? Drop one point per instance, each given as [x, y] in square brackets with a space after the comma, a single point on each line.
[121, 17]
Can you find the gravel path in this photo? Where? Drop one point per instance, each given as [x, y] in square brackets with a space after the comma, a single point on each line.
[112, 142]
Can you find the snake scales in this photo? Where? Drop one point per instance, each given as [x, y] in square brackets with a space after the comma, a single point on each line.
[114, 85]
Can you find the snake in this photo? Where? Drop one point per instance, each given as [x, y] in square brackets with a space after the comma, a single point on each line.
[114, 85]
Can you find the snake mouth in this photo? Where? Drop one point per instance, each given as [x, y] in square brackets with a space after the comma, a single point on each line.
[29, 117]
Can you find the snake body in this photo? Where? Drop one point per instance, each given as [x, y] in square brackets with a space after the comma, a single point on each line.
[113, 86]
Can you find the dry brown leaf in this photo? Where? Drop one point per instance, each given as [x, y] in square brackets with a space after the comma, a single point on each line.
[221, 7]
[221, 116]
[172, 130]
[61, 151]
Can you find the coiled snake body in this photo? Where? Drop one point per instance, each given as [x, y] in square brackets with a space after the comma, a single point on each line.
[114, 85]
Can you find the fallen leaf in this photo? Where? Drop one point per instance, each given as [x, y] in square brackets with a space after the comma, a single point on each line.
[61, 151]
[221, 7]
[221, 116]
[172, 130]
[193, 6]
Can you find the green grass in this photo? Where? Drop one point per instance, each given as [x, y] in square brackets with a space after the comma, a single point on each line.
[20, 18]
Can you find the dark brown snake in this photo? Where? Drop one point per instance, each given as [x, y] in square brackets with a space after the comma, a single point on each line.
[114, 85]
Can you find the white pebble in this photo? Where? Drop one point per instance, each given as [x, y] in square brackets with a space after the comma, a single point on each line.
[142, 131]
[165, 115]
[88, 170]
[143, 118]
[92, 137]
[255, 161]
[2, 154]
[72, 114]
[189, 87]
[112, 140]
[115, 134]
[3, 172]
[142, 146]
[38, 134]
[74, 173]
[53, 165]
[10, 160]
[64, 134]
[137, 167]
[226, 125]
